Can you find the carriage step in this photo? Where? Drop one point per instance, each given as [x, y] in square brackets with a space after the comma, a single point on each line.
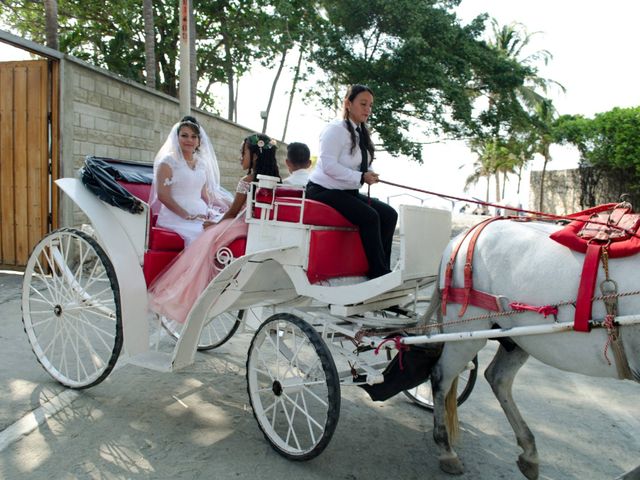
[158, 361]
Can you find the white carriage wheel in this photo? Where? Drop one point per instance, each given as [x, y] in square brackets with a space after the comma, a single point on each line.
[423, 397]
[216, 331]
[293, 386]
[71, 308]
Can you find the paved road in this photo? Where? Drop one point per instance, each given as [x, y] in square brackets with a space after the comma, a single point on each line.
[197, 423]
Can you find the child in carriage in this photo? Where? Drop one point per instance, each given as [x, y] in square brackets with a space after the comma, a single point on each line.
[175, 290]
[298, 162]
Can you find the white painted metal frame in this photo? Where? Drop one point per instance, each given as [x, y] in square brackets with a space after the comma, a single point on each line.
[123, 236]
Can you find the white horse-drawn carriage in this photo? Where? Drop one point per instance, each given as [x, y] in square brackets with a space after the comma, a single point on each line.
[301, 271]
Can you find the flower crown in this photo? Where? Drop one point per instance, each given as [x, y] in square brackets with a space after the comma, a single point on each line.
[261, 144]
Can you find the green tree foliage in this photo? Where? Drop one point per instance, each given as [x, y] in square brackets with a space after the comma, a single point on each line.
[108, 34]
[520, 118]
[609, 146]
[425, 68]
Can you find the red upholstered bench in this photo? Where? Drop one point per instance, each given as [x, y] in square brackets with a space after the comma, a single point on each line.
[333, 252]
[164, 245]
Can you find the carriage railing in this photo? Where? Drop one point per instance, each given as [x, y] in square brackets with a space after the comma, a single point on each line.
[269, 199]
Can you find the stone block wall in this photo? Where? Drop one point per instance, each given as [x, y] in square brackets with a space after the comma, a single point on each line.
[561, 191]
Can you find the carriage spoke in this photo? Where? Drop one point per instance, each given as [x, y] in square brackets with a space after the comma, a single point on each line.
[44, 278]
[216, 331]
[290, 429]
[304, 411]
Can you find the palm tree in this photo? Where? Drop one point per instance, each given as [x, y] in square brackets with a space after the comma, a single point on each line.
[544, 118]
[51, 22]
[485, 165]
[512, 40]
[149, 42]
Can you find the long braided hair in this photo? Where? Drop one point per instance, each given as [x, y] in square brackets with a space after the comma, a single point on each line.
[352, 93]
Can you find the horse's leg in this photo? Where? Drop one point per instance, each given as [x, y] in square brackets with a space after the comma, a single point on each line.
[454, 359]
[500, 375]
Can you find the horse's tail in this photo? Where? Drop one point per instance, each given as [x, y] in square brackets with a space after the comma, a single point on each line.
[434, 307]
[451, 409]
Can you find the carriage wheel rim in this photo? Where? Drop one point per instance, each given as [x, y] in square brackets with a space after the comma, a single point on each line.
[423, 396]
[293, 387]
[71, 308]
[216, 331]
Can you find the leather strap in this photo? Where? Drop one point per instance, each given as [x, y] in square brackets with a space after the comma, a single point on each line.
[468, 266]
[476, 298]
[448, 274]
[469, 295]
[587, 287]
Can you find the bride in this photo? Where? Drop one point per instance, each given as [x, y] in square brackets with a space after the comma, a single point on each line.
[186, 182]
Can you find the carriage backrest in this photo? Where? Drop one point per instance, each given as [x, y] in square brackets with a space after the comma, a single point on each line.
[289, 204]
[331, 244]
[424, 234]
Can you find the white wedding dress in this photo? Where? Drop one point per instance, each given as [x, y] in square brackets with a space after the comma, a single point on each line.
[186, 189]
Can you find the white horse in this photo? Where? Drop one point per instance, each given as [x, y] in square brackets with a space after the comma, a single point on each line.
[520, 262]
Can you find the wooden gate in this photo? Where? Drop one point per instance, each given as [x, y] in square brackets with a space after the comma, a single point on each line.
[25, 206]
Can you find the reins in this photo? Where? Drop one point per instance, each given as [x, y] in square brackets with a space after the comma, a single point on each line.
[534, 213]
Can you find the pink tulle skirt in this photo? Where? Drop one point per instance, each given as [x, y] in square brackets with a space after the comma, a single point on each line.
[175, 290]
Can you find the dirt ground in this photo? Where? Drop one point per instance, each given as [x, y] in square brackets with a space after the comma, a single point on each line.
[197, 423]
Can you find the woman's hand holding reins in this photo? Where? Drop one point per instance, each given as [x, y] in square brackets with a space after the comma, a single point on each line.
[370, 178]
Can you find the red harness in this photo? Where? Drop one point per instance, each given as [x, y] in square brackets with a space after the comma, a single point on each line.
[468, 295]
[610, 227]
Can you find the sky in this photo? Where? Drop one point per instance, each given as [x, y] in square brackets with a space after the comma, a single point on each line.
[594, 46]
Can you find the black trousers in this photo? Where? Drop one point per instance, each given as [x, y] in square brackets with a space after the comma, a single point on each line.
[375, 219]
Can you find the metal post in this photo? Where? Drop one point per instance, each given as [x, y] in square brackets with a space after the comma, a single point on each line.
[185, 54]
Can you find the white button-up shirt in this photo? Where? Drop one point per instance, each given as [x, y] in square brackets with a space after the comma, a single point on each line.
[338, 168]
[297, 177]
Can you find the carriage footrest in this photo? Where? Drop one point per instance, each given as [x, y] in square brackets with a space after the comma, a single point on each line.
[158, 361]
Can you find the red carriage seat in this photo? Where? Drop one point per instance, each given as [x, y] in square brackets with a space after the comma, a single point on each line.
[335, 248]
[165, 245]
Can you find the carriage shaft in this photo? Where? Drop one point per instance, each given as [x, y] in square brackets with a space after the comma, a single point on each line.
[509, 332]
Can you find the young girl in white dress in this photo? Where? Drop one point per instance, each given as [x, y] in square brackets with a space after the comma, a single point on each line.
[186, 182]
[174, 292]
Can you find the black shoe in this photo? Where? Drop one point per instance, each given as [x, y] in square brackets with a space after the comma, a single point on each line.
[371, 276]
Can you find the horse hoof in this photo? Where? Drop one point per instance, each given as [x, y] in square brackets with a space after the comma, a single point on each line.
[529, 469]
[452, 466]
